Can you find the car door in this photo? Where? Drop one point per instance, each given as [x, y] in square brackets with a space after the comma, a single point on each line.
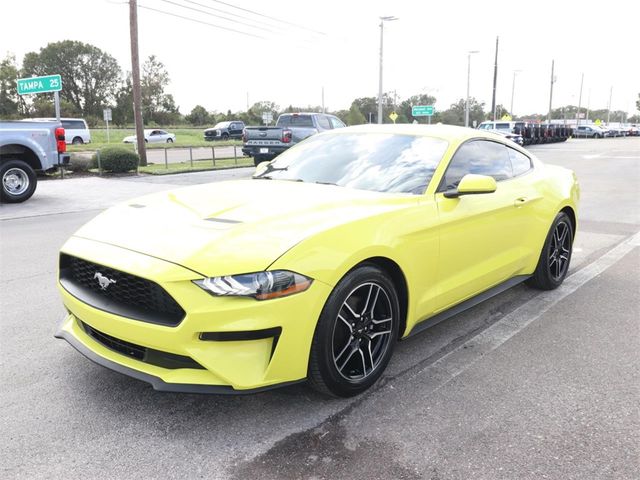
[481, 235]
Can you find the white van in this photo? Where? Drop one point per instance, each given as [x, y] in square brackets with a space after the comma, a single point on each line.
[76, 130]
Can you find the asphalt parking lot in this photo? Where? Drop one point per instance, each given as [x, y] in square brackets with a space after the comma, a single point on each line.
[527, 385]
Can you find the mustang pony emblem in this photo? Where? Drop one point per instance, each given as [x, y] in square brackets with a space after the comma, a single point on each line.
[103, 281]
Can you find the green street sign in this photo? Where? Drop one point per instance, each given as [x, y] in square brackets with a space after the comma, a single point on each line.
[422, 111]
[50, 83]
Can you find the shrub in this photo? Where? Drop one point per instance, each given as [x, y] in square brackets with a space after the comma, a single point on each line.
[80, 164]
[117, 159]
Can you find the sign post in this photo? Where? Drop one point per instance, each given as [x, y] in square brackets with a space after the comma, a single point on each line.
[423, 111]
[106, 114]
[49, 83]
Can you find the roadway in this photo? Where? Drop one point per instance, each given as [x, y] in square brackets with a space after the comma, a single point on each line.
[526, 385]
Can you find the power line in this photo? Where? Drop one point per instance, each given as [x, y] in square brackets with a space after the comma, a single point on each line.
[226, 12]
[200, 21]
[214, 15]
[269, 17]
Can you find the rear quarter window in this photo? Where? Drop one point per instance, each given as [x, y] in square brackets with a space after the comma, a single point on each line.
[520, 163]
[295, 121]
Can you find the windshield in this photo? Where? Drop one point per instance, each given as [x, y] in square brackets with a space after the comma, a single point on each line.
[221, 125]
[295, 121]
[365, 161]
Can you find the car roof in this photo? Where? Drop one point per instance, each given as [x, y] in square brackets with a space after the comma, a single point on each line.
[447, 132]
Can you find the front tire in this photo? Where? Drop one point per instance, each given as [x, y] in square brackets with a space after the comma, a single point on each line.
[555, 257]
[19, 181]
[169, 140]
[356, 333]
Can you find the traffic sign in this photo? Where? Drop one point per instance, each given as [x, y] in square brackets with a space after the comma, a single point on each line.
[393, 116]
[267, 117]
[422, 110]
[50, 83]
[106, 114]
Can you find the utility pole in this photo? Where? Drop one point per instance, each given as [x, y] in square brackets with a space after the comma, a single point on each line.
[551, 91]
[135, 72]
[323, 110]
[513, 89]
[609, 108]
[495, 82]
[382, 20]
[579, 101]
[466, 104]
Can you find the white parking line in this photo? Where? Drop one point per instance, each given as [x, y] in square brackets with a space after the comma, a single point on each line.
[464, 356]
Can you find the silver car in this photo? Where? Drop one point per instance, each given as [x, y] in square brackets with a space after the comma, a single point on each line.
[153, 136]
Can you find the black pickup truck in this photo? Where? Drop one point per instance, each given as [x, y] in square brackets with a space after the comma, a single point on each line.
[225, 131]
[266, 143]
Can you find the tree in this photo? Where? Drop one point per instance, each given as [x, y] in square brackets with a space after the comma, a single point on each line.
[122, 113]
[501, 111]
[199, 116]
[355, 116]
[9, 98]
[157, 106]
[90, 77]
[254, 115]
[455, 114]
[368, 106]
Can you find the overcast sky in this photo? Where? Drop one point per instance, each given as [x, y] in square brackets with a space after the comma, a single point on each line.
[338, 48]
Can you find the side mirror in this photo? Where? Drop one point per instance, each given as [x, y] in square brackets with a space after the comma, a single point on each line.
[261, 167]
[473, 184]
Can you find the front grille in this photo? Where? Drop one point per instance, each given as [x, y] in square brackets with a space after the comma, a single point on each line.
[210, 134]
[125, 295]
[144, 354]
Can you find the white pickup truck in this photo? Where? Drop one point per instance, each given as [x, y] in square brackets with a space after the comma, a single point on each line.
[27, 148]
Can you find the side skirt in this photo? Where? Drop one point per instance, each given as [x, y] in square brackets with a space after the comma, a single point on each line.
[466, 305]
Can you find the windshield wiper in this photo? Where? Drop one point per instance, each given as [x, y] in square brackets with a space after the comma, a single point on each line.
[326, 183]
[270, 168]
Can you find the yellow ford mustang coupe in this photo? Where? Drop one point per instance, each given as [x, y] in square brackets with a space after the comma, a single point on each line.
[313, 269]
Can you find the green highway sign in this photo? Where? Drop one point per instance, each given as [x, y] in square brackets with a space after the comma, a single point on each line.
[422, 111]
[50, 83]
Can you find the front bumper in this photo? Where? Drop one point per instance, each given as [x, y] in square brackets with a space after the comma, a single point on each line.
[235, 355]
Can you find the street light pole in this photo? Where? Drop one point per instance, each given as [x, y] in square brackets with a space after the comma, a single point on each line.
[553, 79]
[580, 100]
[513, 89]
[382, 20]
[466, 107]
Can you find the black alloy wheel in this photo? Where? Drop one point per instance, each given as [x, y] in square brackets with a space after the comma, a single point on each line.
[555, 257]
[356, 333]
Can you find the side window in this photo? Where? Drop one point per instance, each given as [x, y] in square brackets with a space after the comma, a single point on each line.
[520, 163]
[78, 125]
[323, 122]
[67, 124]
[502, 126]
[480, 157]
[336, 123]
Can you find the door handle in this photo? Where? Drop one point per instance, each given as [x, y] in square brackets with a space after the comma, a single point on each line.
[520, 201]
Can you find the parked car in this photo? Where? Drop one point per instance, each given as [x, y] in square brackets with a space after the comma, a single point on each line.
[589, 131]
[514, 137]
[76, 129]
[27, 147]
[314, 269]
[225, 131]
[265, 143]
[153, 136]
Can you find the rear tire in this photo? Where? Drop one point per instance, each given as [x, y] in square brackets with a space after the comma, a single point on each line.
[555, 257]
[19, 181]
[356, 333]
[77, 141]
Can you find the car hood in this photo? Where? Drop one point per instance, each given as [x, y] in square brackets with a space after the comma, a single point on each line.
[233, 227]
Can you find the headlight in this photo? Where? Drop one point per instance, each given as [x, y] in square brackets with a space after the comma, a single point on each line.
[259, 285]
